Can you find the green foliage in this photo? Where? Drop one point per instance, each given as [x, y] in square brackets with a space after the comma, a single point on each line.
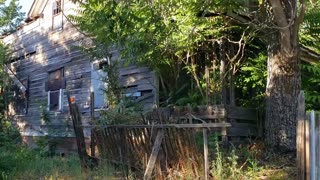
[237, 163]
[9, 136]
[251, 81]
[114, 90]
[311, 84]
[125, 112]
[44, 114]
[23, 163]
[310, 38]
[10, 16]
[310, 29]
[170, 37]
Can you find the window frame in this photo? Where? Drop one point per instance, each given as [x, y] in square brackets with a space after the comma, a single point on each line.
[60, 100]
[60, 90]
[56, 12]
[97, 67]
[56, 7]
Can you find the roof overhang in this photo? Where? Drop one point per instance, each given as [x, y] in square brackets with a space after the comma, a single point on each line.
[36, 8]
[308, 55]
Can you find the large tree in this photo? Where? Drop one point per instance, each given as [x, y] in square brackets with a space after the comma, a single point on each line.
[283, 81]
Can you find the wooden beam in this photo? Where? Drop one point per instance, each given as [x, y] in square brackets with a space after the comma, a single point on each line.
[309, 55]
[235, 112]
[204, 125]
[15, 79]
[154, 155]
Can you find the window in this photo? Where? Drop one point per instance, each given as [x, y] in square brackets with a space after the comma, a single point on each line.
[55, 85]
[98, 85]
[56, 15]
[56, 7]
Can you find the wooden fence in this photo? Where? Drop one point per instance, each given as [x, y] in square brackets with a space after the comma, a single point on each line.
[167, 140]
[308, 147]
[162, 147]
[141, 147]
[308, 142]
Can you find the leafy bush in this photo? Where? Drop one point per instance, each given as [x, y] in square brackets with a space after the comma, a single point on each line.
[125, 112]
[237, 163]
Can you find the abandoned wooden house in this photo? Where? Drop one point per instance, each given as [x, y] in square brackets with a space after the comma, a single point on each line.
[44, 66]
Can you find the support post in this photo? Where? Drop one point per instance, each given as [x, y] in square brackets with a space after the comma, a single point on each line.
[93, 140]
[85, 160]
[205, 153]
[301, 156]
[312, 147]
[307, 148]
[207, 76]
[223, 88]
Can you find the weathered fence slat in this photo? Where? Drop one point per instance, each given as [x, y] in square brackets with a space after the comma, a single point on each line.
[301, 138]
[317, 146]
[312, 146]
[205, 153]
[307, 148]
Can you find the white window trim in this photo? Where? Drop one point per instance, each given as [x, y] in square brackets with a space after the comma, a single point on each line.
[60, 105]
[95, 68]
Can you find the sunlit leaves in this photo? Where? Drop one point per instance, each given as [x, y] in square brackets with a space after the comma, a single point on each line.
[10, 16]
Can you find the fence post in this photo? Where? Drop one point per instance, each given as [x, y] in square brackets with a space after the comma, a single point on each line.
[78, 131]
[307, 147]
[301, 138]
[317, 146]
[205, 153]
[93, 140]
[312, 146]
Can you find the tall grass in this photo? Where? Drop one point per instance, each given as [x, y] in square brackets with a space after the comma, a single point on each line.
[28, 164]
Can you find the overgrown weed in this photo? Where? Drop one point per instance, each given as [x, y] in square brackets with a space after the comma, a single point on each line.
[251, 161]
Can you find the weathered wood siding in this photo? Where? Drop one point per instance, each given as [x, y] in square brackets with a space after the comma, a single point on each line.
[36, 50]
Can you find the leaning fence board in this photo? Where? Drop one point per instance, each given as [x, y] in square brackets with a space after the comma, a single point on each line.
[154, 155]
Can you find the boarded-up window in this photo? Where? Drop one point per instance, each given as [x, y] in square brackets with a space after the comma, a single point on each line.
[54, 86]
[98, 84]
[56, 15]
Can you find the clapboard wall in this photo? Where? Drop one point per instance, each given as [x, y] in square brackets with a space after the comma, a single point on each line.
[36, 50]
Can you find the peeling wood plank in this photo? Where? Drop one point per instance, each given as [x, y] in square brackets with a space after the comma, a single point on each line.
[15, 79]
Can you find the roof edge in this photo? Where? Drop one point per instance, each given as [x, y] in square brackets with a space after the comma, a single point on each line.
[36, 8]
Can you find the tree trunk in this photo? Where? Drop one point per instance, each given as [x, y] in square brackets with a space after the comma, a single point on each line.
[283, 87]
[283, 83]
